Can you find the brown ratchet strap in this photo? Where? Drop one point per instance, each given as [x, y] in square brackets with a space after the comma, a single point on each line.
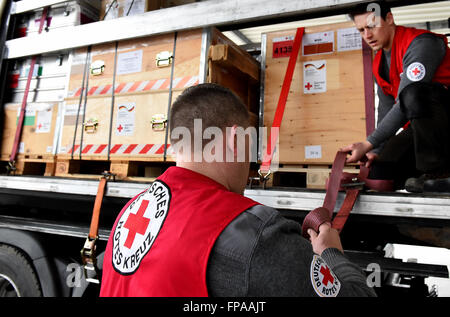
[12, 159]
[352, 184]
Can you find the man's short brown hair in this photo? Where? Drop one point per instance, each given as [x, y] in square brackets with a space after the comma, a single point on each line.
[362, 8]
[215, 105]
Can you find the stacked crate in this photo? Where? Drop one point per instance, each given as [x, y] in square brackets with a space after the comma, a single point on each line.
[127, 113]
[330, 103]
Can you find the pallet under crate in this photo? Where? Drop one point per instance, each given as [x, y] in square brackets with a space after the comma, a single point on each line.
[40, 165]
[129, 170]
[304, 176]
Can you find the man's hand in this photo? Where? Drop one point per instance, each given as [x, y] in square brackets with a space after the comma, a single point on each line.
[358, 151]
[370, 158]
[326, 238]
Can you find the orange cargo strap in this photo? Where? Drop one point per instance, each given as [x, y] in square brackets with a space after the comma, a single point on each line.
[88, 253]
[19, 128]
[271, 142]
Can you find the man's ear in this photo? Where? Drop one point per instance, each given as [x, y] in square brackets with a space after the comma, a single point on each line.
[389, 18]
[232, 139]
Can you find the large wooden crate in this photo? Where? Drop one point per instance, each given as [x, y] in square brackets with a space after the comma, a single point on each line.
[142, 92]
[112, 9]
[37, 143]
[326, 107]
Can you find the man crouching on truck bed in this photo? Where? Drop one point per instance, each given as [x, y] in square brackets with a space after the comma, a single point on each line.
[192, 233]
[412, 71]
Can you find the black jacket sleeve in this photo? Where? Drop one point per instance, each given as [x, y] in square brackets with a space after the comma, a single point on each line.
[262, 253]
[427, 50]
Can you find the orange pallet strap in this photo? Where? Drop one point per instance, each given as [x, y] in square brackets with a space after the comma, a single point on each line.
[88, 253]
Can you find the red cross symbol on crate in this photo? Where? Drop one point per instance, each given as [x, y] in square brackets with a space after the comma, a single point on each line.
[120, 128]
[308, 86]
[136, 223]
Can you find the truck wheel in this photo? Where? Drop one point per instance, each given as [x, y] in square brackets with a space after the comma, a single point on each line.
[17, 277]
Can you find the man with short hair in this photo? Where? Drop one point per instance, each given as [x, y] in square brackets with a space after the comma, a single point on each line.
[192, 232]
[412, 71]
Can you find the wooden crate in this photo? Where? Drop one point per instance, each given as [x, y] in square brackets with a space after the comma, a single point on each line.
[142, 92]
[120, 8]
[38, 134]
[326, 106]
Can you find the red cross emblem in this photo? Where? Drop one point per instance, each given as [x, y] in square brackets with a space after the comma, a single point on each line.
[308, 86]
[40, 126]
[327, 277]
[120, 128]
[136, 223]
[416, 71]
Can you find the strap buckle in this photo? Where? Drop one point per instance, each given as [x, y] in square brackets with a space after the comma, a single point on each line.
[89, 259]
[264, 177]
[108, 175]
[354, 184]
[11, 168]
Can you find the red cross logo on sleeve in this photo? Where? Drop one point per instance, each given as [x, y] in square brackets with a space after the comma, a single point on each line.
[136, 223]
[327, 277]
[416, 71]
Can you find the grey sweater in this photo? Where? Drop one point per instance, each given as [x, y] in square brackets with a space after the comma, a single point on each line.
[427, 49]
[261, 253]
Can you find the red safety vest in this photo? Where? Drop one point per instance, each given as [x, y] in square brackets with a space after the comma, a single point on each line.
[161, 241]
[402, 39]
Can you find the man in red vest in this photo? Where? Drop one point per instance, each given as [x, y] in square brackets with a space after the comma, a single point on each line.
[412, 71]
[192, 233]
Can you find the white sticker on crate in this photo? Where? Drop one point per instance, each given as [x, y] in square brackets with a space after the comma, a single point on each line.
[315, 77]
[348, 39]
[318, 43]
[313, 152]
[44, 121]
[21, 147]
[129, 62]
[125, 119]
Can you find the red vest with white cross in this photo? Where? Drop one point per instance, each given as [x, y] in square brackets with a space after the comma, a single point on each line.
[402, 39]
[162, 239]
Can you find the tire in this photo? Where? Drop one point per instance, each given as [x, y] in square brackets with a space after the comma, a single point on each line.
[17, 276]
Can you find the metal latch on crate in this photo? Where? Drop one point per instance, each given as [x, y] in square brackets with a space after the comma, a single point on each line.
[159, 122]
[164, 59]
[90, 126]
[97, 67]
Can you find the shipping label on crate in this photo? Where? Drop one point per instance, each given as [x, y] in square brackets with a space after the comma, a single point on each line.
[126, 120]
[315, 77]
[44, 121]
[318, 43]
[313, 152]
[282, 46]
[348, 39]
[129, 62]
[70, 114]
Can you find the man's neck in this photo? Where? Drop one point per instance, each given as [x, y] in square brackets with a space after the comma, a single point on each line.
[388, 47]
[211, 170]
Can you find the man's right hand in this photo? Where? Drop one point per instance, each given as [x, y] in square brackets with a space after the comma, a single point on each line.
[326, 238]
[358, 151]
